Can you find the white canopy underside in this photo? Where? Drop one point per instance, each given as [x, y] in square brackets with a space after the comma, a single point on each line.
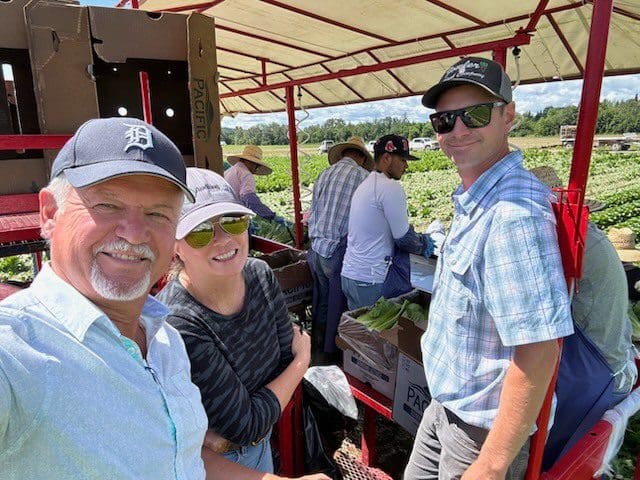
[307, 38]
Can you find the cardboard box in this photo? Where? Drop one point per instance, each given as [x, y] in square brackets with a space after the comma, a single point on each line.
[411, 395]
[380, 349]
[380, 379]
[84, 62]
[294, 276]
[410, 333]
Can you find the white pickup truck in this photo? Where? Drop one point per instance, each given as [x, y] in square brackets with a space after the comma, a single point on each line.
[423, 143]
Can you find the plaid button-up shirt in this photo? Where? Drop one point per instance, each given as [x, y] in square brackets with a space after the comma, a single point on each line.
[332, 193]
[499, 284]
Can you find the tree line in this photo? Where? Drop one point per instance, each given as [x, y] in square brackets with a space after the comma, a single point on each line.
[613, 118]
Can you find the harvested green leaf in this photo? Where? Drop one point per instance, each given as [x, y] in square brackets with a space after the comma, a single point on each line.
[382, 316]
[415, 312]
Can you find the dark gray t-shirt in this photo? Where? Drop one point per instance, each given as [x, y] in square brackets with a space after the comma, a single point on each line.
[233, 357]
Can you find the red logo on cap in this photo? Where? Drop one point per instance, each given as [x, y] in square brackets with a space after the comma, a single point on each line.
[390, 147]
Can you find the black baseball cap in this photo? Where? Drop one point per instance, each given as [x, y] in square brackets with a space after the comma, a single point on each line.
[106, 148]
[395, 144]
[482, 72]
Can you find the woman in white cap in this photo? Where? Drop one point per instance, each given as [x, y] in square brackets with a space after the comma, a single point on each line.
[246, 357]
[240, 177]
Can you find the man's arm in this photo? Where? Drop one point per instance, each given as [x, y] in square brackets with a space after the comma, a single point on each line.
[219, 468]
[523, 392]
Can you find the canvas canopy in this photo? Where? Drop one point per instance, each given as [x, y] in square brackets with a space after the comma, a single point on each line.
[388, 49]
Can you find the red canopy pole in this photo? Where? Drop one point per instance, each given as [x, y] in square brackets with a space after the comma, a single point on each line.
[500, 56]
[572, 224]
[293, 151]
[146, 97]
[590, 99]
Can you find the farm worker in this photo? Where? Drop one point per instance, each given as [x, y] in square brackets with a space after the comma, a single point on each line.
[93, 382]
[349, 163]
[600, 304]
[246, 357]
[380, 238]
[624, 241]
[599, 358]
[500, 300]
[240, 177]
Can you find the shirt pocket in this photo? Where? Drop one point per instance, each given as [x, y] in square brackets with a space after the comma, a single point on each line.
[456, 283]
[187, 397]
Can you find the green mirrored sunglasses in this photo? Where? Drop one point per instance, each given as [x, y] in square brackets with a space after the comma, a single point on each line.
[202, 235]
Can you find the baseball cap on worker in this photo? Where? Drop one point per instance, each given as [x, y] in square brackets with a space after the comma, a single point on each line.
[484, 73]
[213, 197]
[106, 148]
[394, 144]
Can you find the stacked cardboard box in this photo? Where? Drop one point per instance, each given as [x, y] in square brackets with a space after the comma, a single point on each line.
[294, 276]
[73, 63]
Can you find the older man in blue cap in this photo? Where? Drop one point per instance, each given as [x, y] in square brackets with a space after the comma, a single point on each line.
[93, 383]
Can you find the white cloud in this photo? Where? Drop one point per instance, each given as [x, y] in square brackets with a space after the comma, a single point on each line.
[529, 98]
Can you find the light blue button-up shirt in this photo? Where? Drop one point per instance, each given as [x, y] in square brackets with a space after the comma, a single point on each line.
[499, 284]
[76, 404]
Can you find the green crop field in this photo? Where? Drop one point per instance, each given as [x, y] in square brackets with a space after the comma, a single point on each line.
[614, 179]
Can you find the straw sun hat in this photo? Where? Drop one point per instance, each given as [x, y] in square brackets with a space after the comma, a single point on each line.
[549, 177]
[624, 241]
[335, 152]
[253, 154]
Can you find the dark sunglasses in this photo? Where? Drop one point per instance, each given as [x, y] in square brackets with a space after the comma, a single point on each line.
[202, 235]
[475, 116]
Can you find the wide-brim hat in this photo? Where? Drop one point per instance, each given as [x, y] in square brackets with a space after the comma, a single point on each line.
[253, 154]
[335, 152]
[624, 241]
[549, 177]
[213, 197]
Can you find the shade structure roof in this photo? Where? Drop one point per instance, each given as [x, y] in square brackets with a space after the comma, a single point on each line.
[350, 51]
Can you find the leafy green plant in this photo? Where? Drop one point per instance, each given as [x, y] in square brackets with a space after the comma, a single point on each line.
[18, 267]
[615, 215]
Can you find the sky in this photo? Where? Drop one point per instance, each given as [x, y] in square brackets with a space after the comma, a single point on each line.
[529, 98]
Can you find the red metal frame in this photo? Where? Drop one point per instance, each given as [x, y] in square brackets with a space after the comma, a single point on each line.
[194, 6]
[393, 75]
[330, 21]
[345, 84]
[146, 96]
[266, 245]
[290, 437]
[374, 404]
[295, 178]
[32, 142]
[530, 28]
[517, 40]
[458, 12]
[272, 40]
[565, 42]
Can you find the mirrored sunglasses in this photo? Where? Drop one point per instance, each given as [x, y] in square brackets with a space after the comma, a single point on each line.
[202, 235]
[475, 116]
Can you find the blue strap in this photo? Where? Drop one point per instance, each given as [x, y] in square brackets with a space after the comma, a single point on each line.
[584, 391]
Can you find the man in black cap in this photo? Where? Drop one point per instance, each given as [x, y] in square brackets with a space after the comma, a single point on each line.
[500, 300]
[94, 384]
[380, 238]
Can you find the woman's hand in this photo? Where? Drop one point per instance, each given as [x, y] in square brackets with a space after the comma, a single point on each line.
[300, 343]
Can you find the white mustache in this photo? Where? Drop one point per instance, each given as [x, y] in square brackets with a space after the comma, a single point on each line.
[124, 247]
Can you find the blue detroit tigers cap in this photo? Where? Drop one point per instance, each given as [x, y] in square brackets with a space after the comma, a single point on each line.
[106, 148]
